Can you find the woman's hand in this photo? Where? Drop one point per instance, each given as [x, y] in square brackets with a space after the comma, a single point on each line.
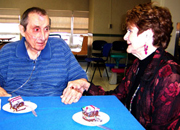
[74, 90]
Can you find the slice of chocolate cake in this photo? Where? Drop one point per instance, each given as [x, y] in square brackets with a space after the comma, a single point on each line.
[90, 113]
[17, 103]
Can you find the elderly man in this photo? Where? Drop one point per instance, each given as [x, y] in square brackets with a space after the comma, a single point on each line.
[37, 65]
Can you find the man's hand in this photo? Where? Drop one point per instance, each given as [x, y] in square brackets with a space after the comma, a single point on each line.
[3, 93]
[74, 90]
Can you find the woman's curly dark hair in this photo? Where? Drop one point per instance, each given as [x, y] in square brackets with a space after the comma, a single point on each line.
[148, 16]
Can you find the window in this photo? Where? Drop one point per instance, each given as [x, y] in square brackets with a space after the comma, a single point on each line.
[70, 25]
[80, 20]
[9, 23]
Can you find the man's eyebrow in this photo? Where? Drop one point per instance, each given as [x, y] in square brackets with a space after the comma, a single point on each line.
[48, 26]
[36, 26]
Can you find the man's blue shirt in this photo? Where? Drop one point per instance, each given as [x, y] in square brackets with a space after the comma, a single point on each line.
[48, 75]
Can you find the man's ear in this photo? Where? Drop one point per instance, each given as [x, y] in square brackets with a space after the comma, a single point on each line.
[21, 28]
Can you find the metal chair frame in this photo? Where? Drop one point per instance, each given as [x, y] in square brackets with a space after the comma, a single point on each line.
[106, 52]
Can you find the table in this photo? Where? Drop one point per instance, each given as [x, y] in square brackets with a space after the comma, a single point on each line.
[53, 115]
[4, 38]
[2, 43]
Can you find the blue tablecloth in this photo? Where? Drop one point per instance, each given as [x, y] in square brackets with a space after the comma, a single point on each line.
[54, 115]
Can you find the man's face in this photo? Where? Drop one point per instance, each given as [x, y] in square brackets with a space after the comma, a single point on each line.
[37, 31]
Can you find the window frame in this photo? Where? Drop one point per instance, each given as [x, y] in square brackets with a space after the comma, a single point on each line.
[71, 32]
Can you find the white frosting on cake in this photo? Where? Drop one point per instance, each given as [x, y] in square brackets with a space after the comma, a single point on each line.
[17, 103]
[90, 113]
[90, 108]
[16, 100]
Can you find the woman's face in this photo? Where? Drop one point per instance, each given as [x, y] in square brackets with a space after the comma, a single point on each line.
[135, 42]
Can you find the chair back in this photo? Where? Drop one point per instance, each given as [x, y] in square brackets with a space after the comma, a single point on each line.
[98, 44]
[106, 49]
[97, 48]
[55, 35]
[119, 46]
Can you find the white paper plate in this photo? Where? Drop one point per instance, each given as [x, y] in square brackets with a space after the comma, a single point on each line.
[31, 105]
[77, 117]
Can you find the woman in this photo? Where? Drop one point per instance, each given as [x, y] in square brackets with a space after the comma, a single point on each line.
[151, 86]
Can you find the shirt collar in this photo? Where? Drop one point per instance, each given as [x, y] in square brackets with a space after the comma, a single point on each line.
[22, 52]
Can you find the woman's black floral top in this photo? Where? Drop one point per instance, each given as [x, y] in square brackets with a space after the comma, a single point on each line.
[158, 98]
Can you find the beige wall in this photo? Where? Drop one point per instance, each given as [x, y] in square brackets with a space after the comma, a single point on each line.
[105, 12]
[111, 11]
[102, 13]
[46, 4]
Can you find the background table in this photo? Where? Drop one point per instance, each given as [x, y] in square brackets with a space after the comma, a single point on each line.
[118, 57]
[53, 115]
[6, 39]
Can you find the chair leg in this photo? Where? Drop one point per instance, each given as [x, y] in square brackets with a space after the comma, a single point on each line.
[99, 70]
[87, 66]
[106, 72]
[113, 78]
[93, 74]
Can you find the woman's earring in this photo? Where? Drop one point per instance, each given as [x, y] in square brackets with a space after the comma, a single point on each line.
[145, 48]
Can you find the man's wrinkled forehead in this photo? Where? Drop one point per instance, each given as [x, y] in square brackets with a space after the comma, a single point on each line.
[37, 17]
